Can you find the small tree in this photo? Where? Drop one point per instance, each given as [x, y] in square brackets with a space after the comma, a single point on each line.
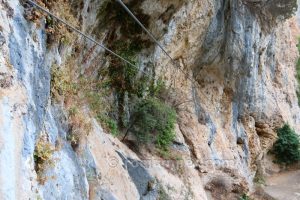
[153, 120]
[287, 147]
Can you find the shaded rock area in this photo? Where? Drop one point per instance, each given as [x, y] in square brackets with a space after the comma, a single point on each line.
[2, 39]
[273, 11]
[144, 182]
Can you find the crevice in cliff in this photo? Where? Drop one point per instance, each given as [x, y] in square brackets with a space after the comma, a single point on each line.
[203, 116]
[213, 47]
[190, 144]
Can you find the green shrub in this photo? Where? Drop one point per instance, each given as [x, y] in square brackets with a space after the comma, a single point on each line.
[244, 197]
[100, 108]
[156, 89]
[154, 120]
[287, 147]
[124, 77]
[127, 39]
[109, 124]
[162, 193]
[259, 179]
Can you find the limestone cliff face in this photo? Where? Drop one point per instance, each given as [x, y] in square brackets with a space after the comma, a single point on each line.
[241, 55]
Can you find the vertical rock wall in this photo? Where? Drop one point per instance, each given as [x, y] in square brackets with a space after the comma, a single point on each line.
[244, 67]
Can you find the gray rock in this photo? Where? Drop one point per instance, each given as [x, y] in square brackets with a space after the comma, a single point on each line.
[106, 195]
[2, 39]
[69, 180]
[140, 177]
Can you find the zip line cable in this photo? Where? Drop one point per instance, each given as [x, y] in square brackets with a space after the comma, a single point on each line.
[153, 38]
[104, 47]
[143, 27]
[107, 49]
[193, 81]
[81, 33]
[112, 52]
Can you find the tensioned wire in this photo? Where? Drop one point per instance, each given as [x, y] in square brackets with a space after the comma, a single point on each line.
[103, 46]
[107, 49]
[81, 33]
[153, 38]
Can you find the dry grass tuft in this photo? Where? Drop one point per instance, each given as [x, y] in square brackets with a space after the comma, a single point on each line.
[56, 32]
[43, 158]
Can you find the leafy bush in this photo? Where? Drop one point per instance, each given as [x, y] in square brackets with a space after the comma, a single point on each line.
[124, 79]
[100, 108]
[127, 39]
[244, 197]
[123, 76]
[154, 120]
[287, 147]
[157, 89]
[259, 179]
[162, 193]
[109, 124]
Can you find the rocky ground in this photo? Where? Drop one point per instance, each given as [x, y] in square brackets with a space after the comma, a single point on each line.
[284, 185]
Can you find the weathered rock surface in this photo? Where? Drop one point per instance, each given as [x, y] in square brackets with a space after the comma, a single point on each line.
[242, 54]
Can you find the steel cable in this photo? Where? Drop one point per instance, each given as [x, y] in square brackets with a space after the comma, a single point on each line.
[80, 32]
